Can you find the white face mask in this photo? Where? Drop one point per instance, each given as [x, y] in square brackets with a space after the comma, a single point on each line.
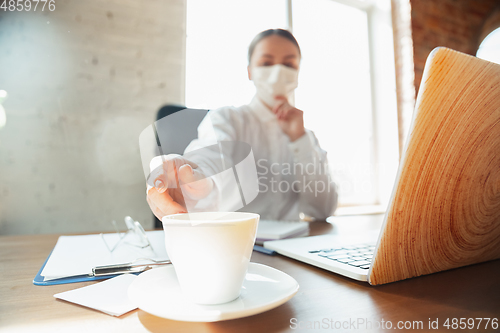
[272, 81]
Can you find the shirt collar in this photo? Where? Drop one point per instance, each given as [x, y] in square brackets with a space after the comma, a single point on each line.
[264, 114]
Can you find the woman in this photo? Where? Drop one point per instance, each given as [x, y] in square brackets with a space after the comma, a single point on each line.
[292, 168]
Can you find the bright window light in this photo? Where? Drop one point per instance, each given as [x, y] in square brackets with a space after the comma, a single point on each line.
[218, 35]
[334, 91]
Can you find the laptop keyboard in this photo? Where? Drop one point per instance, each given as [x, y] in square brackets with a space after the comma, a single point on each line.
[355, 255]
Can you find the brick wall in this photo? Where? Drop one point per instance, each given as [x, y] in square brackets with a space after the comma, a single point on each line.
[456, 24]
[403, 56]
[83, 82]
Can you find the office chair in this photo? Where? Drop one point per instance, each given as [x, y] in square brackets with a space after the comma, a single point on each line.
[168, 109]
[176, 132]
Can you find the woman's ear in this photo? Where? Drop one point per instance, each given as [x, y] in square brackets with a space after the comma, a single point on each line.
[249, 73]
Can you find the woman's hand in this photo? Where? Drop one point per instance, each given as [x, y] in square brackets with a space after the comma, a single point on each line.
[290, 119]
[178, 183]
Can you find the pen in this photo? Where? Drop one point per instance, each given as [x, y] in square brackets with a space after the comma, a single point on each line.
[126, 268]
[262, 249]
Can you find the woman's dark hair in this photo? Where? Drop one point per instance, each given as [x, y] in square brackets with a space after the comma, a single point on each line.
[266, 33]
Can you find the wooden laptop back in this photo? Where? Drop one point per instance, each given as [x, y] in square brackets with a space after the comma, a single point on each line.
[445, 208]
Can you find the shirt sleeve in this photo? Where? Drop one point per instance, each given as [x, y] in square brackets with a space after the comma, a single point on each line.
[215, 163]
[318, 193]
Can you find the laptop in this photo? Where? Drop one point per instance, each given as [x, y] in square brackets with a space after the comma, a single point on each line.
[444, 210]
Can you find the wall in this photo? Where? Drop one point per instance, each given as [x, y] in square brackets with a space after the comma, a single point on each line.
[83, 81]
[456, 24]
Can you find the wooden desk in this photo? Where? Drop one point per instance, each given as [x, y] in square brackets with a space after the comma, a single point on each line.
[470, 292]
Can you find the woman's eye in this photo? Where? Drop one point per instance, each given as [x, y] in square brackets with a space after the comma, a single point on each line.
[267, 63]
[290, 65]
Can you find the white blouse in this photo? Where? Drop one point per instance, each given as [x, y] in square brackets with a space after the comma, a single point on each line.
[293, 177]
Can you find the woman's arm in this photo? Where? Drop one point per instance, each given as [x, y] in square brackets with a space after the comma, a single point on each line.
[318, 193]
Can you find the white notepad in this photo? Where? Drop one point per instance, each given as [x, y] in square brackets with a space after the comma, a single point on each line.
[274, 230]
[77, 255]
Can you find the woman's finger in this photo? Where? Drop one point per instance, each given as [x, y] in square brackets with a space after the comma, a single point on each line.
[164, 174]
[165, 203]
[285, 111]
[296, 113]
[194, 183]
[157, 178]
[277, 106]
[280, 109]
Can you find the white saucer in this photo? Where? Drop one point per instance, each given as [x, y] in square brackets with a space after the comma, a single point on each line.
[157, 292]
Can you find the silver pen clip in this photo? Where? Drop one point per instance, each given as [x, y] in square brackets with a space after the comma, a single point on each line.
[127, 268]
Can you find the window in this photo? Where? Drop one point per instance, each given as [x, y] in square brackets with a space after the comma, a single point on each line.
[334, 90]
[346, 80]
[218, 35]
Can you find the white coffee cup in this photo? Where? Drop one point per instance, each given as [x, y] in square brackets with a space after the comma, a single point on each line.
[210, 253]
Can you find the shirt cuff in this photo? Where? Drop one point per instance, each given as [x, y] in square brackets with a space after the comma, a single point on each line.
[302, 148]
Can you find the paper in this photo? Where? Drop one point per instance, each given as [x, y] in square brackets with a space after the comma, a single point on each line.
[271, 230]
[77, 255]
[109, 296]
